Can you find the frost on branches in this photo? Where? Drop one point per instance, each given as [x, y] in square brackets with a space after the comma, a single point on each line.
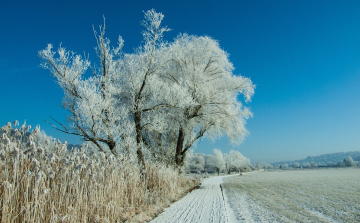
[159, 99]
[202, 68]
[235, 161]
[218, 160]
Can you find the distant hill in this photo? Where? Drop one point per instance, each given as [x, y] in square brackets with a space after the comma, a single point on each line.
[325, 158]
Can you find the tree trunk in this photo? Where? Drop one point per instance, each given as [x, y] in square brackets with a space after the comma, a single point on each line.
[139, 139]
[179, 146]
[112, 147]
[98, 145]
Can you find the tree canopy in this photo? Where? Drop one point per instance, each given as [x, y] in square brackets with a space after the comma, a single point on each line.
[161, 98]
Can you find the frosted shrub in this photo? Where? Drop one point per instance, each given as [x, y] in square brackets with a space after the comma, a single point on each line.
[42, 182]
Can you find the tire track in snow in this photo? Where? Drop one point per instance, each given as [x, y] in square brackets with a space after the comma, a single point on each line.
[203, 205]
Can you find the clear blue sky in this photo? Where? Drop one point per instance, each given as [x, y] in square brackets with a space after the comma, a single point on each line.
[303, 56]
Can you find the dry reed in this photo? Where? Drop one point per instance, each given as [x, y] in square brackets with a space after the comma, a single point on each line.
[43, 182]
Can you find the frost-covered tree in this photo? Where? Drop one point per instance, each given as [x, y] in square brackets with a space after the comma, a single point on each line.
[204, 71]
[228, 163]
[187, 167]
[119, 100]
[194, 162]
[349, 162]
[209, 166]
[269, 166]
[260, 165]
[218, 160]
[340, 163]
[164, 96]
[235, 161]
[330, 164]
[145, 93]
[89, 101]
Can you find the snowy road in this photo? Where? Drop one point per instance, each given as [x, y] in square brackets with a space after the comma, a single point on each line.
[205, 204]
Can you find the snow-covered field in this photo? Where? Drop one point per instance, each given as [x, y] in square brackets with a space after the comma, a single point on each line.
[326, 195]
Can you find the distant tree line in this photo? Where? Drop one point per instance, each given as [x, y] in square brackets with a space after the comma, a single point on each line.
[217, 162]
[346, 162]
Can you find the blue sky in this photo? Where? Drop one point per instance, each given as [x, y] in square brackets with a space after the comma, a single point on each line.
[303, 56]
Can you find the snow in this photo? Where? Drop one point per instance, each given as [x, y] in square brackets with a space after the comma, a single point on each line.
[319, 195]
[321, 215]
[274, 196]
[249, 211]
[229, 210]
[206, 204]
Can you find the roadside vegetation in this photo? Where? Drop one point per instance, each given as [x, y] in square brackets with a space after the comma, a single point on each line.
[41, 181]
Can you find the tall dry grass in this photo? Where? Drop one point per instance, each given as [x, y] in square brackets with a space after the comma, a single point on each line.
[43, 182]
